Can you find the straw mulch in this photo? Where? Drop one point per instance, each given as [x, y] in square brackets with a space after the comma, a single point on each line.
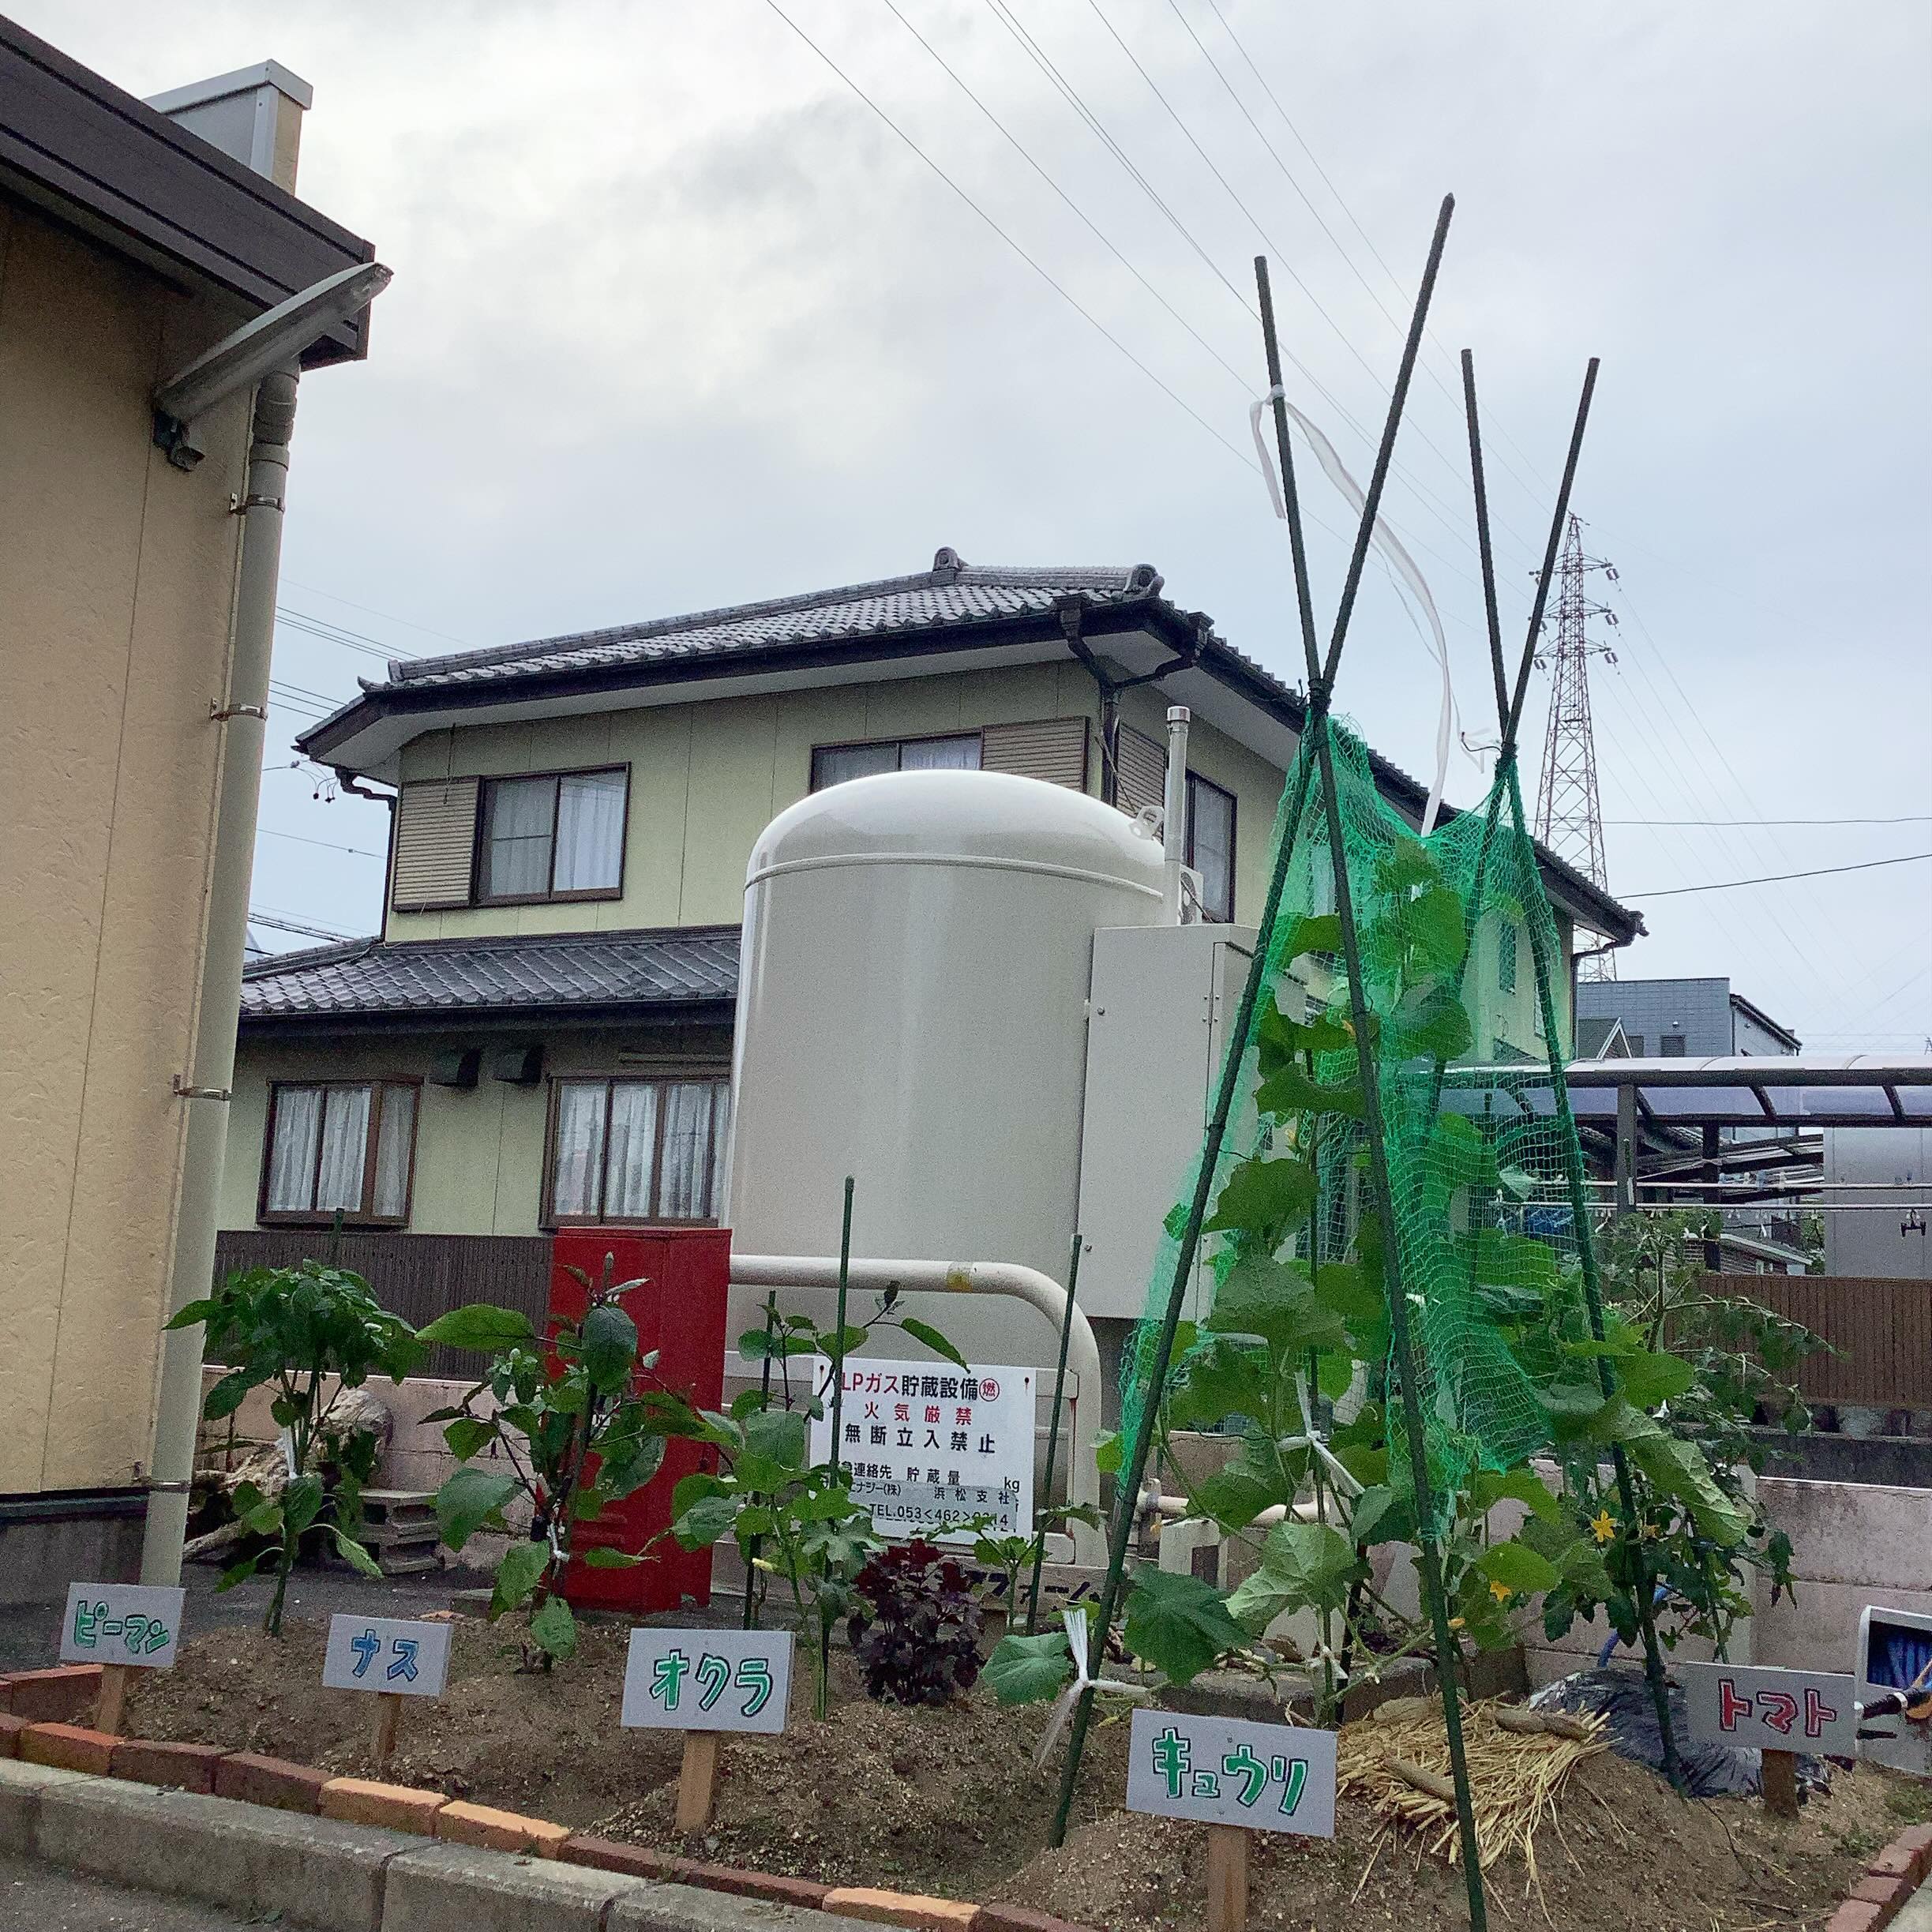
[1398, 1760]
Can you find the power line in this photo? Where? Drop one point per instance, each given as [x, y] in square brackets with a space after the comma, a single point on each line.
[1910, 818]
[281, 922]
[361, 852]
[388, 617]
[1771, 879]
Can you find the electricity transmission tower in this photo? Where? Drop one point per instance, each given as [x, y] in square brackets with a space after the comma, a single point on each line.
[1570, 818]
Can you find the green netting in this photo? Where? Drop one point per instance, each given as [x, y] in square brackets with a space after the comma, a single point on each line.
[1457, 943]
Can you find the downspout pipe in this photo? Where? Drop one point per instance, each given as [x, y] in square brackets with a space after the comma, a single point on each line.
[241, 718]
[972, 1277]
[1174, 817]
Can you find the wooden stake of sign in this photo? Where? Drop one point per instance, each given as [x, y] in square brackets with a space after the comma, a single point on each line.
[697, 1780]
[1780, 1783]
[382, 1738]
[112, 1698]
[1227, 1878]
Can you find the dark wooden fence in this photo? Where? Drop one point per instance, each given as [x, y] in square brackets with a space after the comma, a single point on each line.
[416, 1276]
[1882, 1329]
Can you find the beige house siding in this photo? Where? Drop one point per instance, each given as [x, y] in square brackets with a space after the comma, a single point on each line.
[116, 578]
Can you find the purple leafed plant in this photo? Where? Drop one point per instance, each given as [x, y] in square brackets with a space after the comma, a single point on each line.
[916, 1630]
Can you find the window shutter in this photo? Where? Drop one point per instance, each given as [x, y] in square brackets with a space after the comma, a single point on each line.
[1052, 749]
[1139, 773]
[435, 844]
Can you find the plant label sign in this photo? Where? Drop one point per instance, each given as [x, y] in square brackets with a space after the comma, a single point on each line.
[928, 1443]
[134, 1623]
[1771, 1710]
[707, 1680]
[402, 1656]
[1222, 1771]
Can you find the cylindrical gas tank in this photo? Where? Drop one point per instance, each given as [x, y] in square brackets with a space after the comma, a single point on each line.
[912, 1011]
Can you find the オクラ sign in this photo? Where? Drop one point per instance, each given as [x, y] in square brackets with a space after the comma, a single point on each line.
[707, 1680]
[1222, 1771]
[930, 1443]
[402, 1656]
[1771, 1710]
[134, 1623]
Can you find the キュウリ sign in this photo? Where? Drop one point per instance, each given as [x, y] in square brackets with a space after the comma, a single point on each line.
[1223, 1771]
[126, 1623]
[930, 1443]
[397, 1654]
[707, 1680]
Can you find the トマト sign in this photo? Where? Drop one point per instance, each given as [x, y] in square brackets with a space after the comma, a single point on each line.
[1222, 1771]
[403, 1655]
[136, 1623]
[1771, 1710]
[928, 1443]
[707, 1680]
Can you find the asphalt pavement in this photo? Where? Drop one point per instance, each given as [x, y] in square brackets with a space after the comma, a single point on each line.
[41, 1898]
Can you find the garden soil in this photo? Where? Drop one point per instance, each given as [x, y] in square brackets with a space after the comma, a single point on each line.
[946, 1801]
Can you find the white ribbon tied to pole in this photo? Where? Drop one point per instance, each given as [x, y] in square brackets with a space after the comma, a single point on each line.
[1390, 546]
[1076, 1622]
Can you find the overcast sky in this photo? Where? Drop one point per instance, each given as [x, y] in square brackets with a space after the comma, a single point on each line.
[678, 321]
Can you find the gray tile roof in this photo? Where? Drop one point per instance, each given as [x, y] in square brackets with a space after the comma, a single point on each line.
[367, 978]
[952, 593]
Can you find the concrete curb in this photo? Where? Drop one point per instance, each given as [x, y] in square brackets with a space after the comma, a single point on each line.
[1889, 1882]
[352, 1854]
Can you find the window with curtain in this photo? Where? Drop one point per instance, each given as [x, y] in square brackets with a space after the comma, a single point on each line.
[632, 1150]
[832, 764]
[340, 1146]
[559, 836]
[1210, 846]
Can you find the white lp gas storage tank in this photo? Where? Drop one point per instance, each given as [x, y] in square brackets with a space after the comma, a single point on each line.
[912, 1011]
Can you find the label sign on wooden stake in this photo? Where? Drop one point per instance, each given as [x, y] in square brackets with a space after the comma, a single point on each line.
[707, 1680]
[121, 1623]
[1771, 1710]
[400, 1656]
[1222, 1770]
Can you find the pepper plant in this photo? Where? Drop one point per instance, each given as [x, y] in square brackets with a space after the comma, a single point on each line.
[568, 1420]
[309, 1331]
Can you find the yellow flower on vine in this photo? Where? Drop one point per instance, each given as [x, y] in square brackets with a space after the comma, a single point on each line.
[1501, 1591]
[1602, 1528]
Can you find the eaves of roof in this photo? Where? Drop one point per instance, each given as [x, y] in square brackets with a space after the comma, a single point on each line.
[94, 157]
[954, 608]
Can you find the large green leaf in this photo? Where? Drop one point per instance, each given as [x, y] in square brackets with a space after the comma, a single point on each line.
[1433, 925]
[481, 1325]
[1407, 863]
[1314, 933]
[610, 1341]
[710, 1517]
[517, 1575]
[1221, 1380]
[353, 1552]
[778, 1434]
[1516, 1566]
[1288, 1089]
[1674, 1467]
[1178, 1623]
[1026, 1670]
[1276, 1301]
[1429, 1019]
[467, 1499]
[1266, 1198]
[1650, 1376]
[1314, 1562]
[925, 1333]
[466, 1435]
[604, 1557]
[1521, 1485]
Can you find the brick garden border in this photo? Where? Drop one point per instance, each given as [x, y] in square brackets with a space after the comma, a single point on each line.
[43, 1716]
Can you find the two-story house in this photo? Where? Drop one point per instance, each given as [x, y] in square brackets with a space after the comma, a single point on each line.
[541, 1036]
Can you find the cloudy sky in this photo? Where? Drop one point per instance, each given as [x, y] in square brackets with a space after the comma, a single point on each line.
[680, 319]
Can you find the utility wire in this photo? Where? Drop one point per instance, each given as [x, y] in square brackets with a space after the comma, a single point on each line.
[361, 851]
[1094, 322]
[1910, 818]
[1771, 878]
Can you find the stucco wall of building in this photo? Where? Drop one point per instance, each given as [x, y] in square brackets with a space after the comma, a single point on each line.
[116, 582]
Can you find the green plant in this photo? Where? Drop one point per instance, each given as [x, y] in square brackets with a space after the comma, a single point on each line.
[1009, 1555]
[916, 1626]
[571, 1418]
[791, 1519]
[310, 1331]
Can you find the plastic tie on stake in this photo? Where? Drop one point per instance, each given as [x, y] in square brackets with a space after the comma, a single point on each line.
[1076, 1622]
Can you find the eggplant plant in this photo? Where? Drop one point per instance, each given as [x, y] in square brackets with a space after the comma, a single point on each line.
[568, 1420]
[310, 1331]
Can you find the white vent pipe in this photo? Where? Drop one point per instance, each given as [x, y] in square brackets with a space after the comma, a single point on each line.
[1174, 820]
